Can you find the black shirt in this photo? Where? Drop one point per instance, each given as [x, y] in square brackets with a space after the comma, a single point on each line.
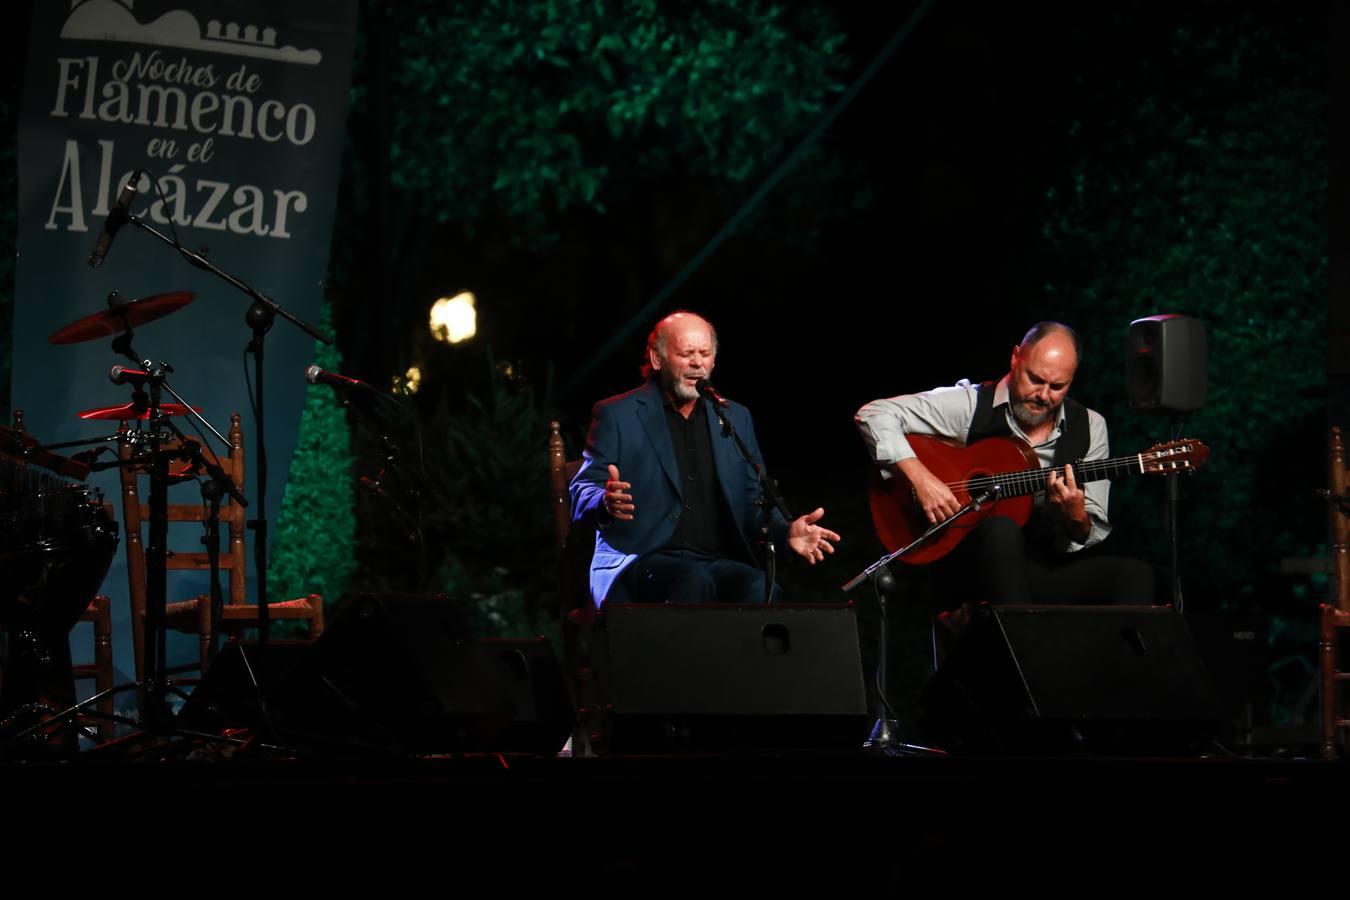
[702, 526]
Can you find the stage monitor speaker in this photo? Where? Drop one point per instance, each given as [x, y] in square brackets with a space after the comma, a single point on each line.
[1234, 647]
[400, 673]
[1072, 679]
[1167, 363]
[722, 677]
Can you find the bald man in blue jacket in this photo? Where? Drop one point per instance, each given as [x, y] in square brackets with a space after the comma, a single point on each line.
[676, 507]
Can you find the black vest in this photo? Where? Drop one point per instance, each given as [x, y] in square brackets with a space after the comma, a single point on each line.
[992, 421]
[1070, 448]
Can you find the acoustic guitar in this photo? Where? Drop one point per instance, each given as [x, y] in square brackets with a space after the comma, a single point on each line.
[1009, 468]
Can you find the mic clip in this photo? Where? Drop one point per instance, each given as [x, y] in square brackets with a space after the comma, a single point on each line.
[987, 495]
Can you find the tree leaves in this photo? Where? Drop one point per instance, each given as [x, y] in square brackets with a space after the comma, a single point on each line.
[314, 536]
[524, 109]
[1200, 187]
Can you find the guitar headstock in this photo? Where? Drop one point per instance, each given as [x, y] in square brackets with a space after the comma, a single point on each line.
[1184, 455]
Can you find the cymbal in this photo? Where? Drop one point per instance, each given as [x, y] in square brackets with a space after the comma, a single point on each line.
[117, 319]
[130, 411]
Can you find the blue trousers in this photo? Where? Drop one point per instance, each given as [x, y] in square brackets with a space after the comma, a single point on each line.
[683, 576]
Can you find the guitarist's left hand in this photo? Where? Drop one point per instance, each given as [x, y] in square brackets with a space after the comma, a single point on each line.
[1068, 500]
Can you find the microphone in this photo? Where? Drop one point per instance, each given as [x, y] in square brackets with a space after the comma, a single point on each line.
[315, 375]
[124, 375]
[117, 217]
[705, 389]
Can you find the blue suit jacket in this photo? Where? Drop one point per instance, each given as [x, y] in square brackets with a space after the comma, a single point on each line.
[630, 431]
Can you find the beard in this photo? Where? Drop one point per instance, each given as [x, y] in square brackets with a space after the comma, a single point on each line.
[677, 387]
[1030, 415]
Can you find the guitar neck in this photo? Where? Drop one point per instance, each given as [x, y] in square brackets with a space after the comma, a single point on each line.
[1030, 481]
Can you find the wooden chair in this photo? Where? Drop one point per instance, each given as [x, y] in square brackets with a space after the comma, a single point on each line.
[101, 669]
[576, 612]
[1336, 614]
[99, 612]
[193, 616]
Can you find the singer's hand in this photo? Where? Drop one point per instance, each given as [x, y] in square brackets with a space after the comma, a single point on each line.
[618, 502]
[808, 540]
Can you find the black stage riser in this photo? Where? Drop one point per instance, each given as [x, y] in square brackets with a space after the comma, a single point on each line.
[1064, 679]
[724, 677]
[398, 674]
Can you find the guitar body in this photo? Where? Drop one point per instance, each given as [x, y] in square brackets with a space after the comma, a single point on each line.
[898, 518]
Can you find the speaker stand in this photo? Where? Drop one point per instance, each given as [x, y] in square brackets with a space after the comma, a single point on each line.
[1173, 528]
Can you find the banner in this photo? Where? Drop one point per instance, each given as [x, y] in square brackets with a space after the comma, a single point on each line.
[237, 111]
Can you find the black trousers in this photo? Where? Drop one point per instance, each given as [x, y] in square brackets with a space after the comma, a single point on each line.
[994, 564]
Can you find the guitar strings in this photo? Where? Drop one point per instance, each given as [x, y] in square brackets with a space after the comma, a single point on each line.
[1031, 480]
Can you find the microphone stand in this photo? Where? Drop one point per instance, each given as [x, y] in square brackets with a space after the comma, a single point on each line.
[212, 489]
[395, 482]
[770, 499]
[885, 731]
[260, 317]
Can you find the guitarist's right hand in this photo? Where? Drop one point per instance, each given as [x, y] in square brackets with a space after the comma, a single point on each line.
[933, 496]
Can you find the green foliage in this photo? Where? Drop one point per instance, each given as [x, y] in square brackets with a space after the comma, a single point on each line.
[1199, 186]
[497, 525]
[313, 543]
[527, 109]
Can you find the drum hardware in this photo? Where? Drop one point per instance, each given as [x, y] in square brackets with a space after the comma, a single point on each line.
[151, 451]
[120, 319]
[260, 317]
[56, 544]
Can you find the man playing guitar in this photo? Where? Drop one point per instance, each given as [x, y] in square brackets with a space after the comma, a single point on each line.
[997, 560]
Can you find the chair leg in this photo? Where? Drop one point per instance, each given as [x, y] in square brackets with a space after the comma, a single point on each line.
[206, 637]
[1326, 647]
[103, 667]
[316, 621]
[138, 642]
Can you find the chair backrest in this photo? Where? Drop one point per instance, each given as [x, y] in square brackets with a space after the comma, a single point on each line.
[1338, 479]
[561, 471]
[135, 513]
[576, 613]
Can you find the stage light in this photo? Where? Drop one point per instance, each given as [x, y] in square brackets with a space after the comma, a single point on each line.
[454, 319]
[409, 382]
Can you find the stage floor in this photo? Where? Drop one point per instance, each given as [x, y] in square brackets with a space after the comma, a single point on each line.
[796, 825]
